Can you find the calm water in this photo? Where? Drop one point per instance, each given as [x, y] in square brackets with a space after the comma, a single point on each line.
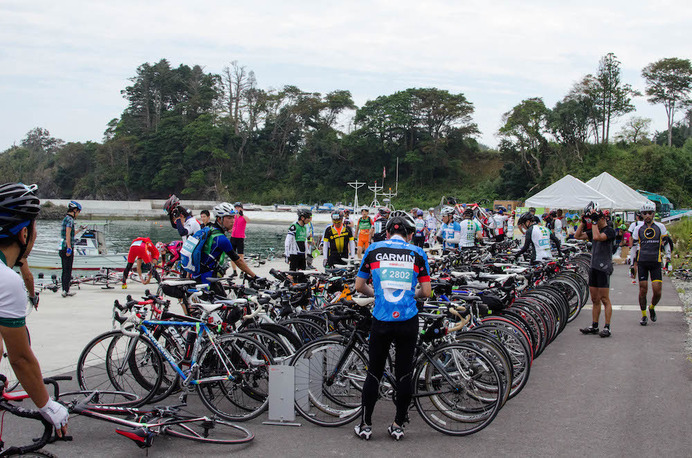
[261, 238]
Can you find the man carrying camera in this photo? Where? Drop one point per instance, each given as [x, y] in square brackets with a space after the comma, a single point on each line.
[601, 235]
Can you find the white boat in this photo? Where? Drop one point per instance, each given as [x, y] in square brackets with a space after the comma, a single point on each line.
[89, 251]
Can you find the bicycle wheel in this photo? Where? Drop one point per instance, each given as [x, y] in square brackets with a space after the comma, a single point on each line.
[447, 395]
[306, 329]
[279, 351]
[234, 377]
[328, 383]
[100, 398]
[208, 430]
[115, 362]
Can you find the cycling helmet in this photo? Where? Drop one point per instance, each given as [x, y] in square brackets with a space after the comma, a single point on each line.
[447, 211]
[398, 220]
[419, 213]
[384, 211]
[224, 209]
[468, 211]
[172, 203]
[525, 218]
[18, 207]
[238, 204]
[304, 212]
[591, 208]
[648, 207]
[74, 205]
[365, 209]
[336, 216]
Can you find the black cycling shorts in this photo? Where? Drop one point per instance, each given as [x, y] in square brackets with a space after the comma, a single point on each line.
[655, 269]
[599, 279]
[238, 244]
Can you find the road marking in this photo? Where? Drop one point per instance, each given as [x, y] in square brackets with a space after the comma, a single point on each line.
[632, 308]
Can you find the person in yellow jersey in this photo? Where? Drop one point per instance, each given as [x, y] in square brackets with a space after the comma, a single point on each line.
[338, 242]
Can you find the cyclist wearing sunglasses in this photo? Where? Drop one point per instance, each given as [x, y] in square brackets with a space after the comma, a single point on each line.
[650, 235]
[18, 210]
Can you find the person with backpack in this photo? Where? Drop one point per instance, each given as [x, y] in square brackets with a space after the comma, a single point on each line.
[204, 253]
[181, 218]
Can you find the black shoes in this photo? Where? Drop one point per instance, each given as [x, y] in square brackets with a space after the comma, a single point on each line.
[589, 330]
[605, 332]
[652, 314]
[644, 321]
[363, 431]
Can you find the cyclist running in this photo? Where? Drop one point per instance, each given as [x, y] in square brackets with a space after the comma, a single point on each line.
[601, 235]
[295, 245]
[419, 235]
[380, 233]
[650, 235]
[366, 229]
[218, 246]
[18, 210]
[470, 228]
[537, 236]
[449, 233]
[338, 242]
[67, 235]
[142, 251]
[396, 267]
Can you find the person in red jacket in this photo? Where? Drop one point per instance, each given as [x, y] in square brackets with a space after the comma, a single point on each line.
[142, 251]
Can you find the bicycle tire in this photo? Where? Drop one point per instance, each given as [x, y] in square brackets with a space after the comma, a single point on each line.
[111, 398]
[335, 402]
[279, 351]
[447, 409]
[101, 366]
[208, 430]
[246, 396]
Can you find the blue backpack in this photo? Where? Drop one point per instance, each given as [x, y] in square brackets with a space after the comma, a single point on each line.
[191, 252]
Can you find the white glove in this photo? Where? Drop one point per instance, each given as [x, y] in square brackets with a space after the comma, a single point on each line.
[55, 413]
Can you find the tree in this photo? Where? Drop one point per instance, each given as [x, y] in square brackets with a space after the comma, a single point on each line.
[669, 82]
[613, 97]
[524, 130]
[635, 130]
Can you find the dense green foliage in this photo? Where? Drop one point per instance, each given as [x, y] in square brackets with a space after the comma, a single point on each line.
[681, 232]
[207, 136]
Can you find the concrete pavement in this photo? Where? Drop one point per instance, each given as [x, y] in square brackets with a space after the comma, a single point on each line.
[628, 395]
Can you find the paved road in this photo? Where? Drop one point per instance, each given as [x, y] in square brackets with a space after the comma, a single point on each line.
[629, 395]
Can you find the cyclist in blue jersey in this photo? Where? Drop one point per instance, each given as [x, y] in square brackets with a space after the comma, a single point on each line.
[419, 236]
[396, 268]
[18, 210]
[449, 233]
[218, 246]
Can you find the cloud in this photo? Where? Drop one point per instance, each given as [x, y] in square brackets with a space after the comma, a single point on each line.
[496, 52]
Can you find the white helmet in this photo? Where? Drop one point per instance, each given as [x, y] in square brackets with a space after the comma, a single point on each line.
[224, 209]
[447, 211]
[648, 207]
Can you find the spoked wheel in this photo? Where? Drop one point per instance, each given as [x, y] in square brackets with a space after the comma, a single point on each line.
[115, 362]
[449, 392]
[325, 394]
[209, 430]
[234, 377]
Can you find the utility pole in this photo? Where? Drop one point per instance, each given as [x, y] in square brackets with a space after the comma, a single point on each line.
[375, 203]
[356, 185]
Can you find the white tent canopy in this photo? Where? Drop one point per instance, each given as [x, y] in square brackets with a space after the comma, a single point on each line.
[569, 193]
[625, 198]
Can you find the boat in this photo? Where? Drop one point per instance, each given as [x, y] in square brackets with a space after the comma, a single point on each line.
[90, 253]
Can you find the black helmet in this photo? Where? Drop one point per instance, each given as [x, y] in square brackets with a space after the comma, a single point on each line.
[18, 207]
[172, 203]
[398, 220]
[591, 208]
[304, 212]
[526, 217]
[468, 211]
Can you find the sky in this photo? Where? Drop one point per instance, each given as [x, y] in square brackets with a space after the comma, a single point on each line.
[63, 64]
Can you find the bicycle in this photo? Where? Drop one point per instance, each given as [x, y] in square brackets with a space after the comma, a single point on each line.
[25, 431]
[229, 371]
[458, 388]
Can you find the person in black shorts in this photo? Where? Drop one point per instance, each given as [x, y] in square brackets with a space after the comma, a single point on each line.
[602, 237]
[650, 235]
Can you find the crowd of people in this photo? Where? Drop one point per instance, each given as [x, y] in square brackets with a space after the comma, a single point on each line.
[393, 268]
